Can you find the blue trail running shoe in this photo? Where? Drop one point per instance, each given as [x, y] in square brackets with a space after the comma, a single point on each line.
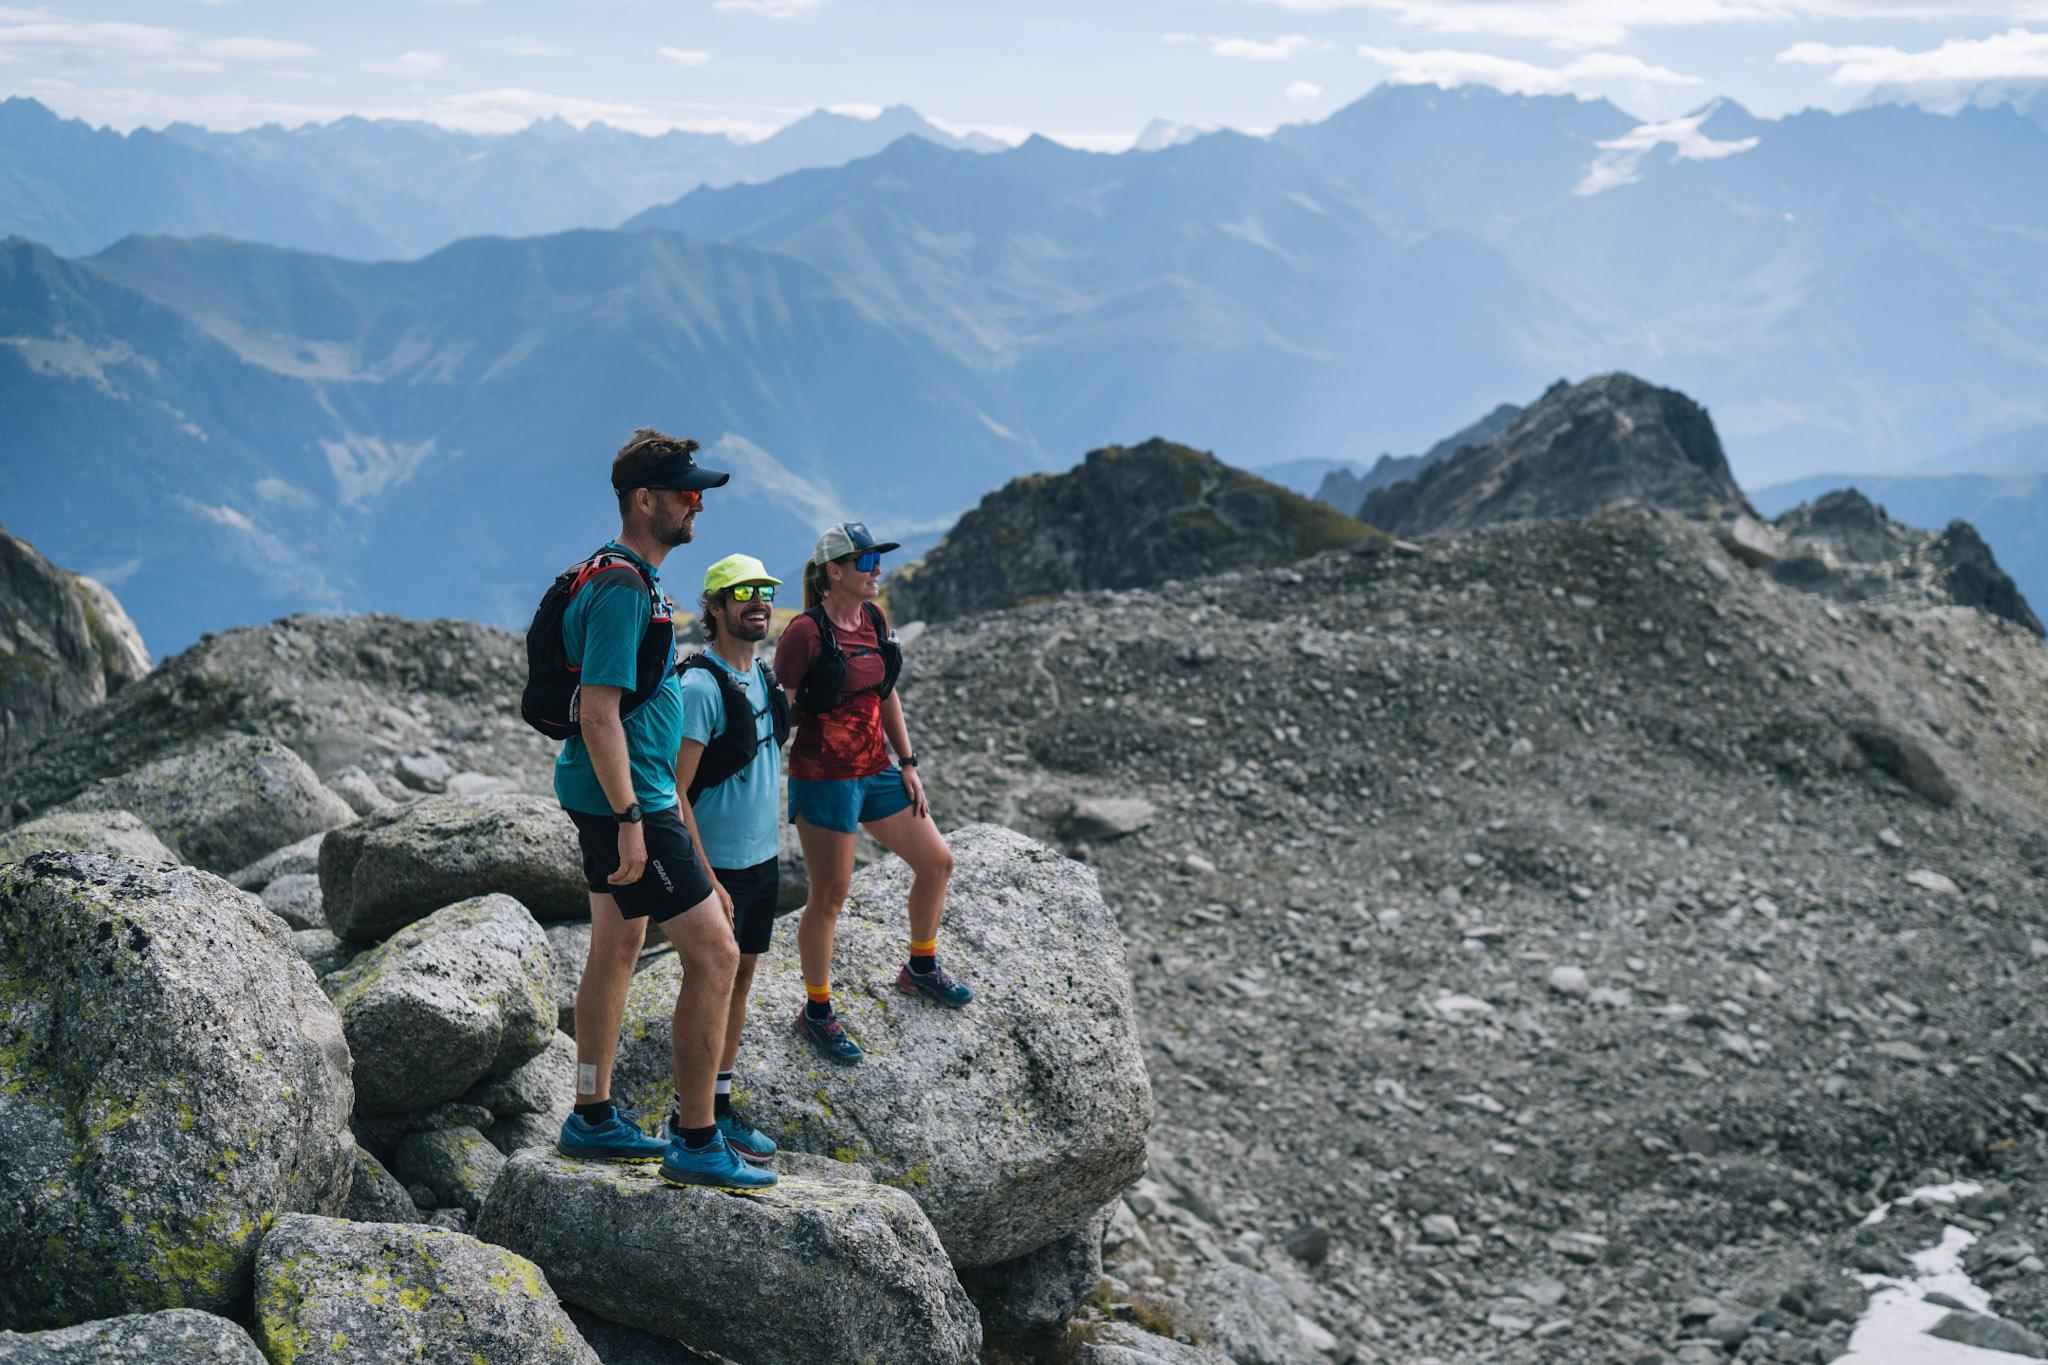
[718, 1166]
[935, 984]
[743, 1137]
[830, 1039]
[618, 1138]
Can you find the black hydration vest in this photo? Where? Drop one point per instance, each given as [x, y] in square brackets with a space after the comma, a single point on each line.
[551, 699]
[823, 687]
[734, 747]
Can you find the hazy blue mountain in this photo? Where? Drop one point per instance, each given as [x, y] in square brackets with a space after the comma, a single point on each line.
[1306, 475]
[1220, 286]
[2009, 510]
[2018, 450]
[381, 188]
[229, 432]
[1347, 489]
[77, 188]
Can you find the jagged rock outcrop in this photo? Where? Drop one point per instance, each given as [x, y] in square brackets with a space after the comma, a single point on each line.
[392, 866]
[222, 803]
[65, 646]
[293, 859]
[334, 1291]
[1041, 1289]
[1844, 546]
[833, 1270]
[463, 994]
[1347, 491]
[1128, 516]
[342, 692]
[1011, 1121]
[116, 833]
[184, 1083]
[176, 1336]
[1577, 449]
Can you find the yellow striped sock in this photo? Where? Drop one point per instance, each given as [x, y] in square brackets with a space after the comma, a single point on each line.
[820, 995]
[924, 949]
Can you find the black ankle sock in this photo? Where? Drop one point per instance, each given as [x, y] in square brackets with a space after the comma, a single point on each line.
[597, 1111]
[818, 1009]
[697, 1139]
[924, 966]
[721, 1105]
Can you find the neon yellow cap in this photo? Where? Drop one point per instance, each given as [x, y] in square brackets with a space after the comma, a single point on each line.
[737, 569]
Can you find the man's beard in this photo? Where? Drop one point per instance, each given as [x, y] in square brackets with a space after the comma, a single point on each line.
[742, 629]
[677, 532]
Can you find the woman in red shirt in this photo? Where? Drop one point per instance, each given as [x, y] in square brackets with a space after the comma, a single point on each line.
[838, 662]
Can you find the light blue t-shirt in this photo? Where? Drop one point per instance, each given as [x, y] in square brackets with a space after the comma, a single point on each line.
[740, 818]
[601, 632]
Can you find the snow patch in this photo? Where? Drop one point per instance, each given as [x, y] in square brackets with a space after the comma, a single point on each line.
[1893, 1328]
[1621, 159]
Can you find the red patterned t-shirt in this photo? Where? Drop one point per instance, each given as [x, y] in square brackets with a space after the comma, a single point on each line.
[845, 742]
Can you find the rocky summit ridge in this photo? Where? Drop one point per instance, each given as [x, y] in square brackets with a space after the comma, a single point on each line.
[1577, 449]
[1126, 517]
[65, 646]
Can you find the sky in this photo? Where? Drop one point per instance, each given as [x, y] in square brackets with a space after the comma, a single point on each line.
[1088, 72]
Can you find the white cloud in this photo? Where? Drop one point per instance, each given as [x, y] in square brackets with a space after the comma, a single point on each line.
[1621, 160]
[408, 64]
[1180, 39]
[1608, 23]
[2018, 54]
[1303, 92]
[773, 9]
[519, 47]
[1251, 49]
[1583, 76]
[37, 31]
[685, 56]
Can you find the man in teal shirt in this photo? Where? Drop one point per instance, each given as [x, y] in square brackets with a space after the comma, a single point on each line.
[734, 782]
[616, 780]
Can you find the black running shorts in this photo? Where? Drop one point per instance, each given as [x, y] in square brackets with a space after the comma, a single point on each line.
[673, 881]
[753, 891]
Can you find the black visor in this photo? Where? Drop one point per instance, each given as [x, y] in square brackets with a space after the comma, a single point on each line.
[682, 472]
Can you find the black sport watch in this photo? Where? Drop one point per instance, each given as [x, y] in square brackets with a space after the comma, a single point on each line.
[909, 760]
[629, 816]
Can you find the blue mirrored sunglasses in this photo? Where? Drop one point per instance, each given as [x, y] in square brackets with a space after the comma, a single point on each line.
[868, 562]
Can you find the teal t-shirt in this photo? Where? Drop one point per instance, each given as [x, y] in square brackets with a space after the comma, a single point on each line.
[601, 632]
[739, 819]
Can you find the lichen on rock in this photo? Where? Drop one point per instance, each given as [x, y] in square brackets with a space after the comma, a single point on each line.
[393, 866]
[176, 1336]
[334, 1291]
[463, 994]
[1011, 1121]
[188, 1083]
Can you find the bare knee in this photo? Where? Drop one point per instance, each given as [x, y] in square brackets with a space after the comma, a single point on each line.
[743, 973]
[826, 898]
[937, 865]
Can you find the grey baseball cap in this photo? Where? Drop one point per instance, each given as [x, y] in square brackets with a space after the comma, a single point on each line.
[849, 538]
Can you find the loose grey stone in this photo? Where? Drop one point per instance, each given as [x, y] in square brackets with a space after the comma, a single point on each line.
[1906, 759]
[222, 803]
[463, 994]
[1093, 819]
[424, 772]
[1251, 1316]
[1439, 1228]
[340, 1292]
[141, 1161]
[117, 833]
[1569, 981]
[376, 1196]
[176, 1336]
[1042, 1289]
[1011, 1121]
[322, 951]
[295, 899]
[458, 1164]
[302, 856]
[358, 788]
[1989, 1333]
[514, 1135]
[834, 1271]
[1121, 1343]
[392, 866]
[544, 1084]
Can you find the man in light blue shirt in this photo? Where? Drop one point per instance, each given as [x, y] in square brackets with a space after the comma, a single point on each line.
[734, 720]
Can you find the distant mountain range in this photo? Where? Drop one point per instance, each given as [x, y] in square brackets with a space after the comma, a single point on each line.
[895, 335]
[381, 189]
